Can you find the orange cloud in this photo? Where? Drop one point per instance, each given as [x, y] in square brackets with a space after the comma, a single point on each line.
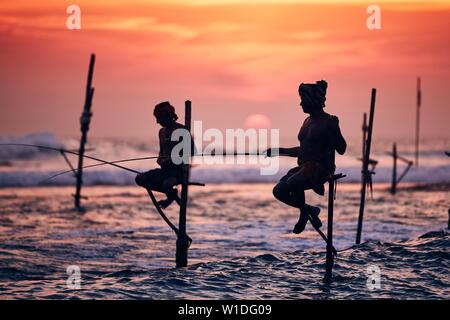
[234, 57]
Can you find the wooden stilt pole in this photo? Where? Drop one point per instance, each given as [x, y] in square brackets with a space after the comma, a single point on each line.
[419, 101]
[365, 169]
[330, 254]
[84, 121]
[364, 138]
[331, 251]
[182, 240]
[448, 223]
[394, 170]
[395, 177]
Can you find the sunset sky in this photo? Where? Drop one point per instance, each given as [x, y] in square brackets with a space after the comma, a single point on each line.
[232, 58]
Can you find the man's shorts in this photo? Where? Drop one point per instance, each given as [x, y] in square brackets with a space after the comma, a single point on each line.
[158, 179]
[309, 175]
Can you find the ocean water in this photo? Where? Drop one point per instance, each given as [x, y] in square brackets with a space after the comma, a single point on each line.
[242, 246]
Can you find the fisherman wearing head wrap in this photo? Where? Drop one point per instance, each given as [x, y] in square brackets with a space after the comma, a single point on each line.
[165, 111]
[170, 174]
[319, 138]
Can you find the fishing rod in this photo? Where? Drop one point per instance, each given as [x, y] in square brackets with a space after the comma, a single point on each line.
[230, 154]
[70, 152]
[148, 158]
[152, 197]
[158, 209]
[95, 165]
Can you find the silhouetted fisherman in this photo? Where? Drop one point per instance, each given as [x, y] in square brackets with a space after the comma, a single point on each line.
[164, 179]
[319, 136]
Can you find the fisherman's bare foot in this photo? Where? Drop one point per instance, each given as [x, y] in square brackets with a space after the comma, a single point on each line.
[300, 225]
[314, 216]
[165, 203]
[172, 196]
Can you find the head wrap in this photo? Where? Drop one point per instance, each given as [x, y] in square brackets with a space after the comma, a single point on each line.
[165, 110]
[316, 92]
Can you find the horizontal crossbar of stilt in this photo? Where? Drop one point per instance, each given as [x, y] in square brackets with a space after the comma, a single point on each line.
[335, 177]
[196, 184]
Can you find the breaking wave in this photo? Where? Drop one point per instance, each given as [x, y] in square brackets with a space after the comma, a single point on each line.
[440, 174]
[25, 166]
[21, 153]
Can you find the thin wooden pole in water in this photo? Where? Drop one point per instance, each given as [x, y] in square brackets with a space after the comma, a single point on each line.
[330, 254]
[365, 170]
[84, 121]
[419, 101]
[364, 136]
[182, 240]
[394, 169]
[448, 222]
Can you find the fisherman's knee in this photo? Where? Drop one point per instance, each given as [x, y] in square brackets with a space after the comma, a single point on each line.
[277, 191]
[140, 179]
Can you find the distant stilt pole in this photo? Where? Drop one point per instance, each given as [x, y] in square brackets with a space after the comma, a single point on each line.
[419, 102]
[364, 136]
[365, 170]
[84, 121]
[394, 170]
[396, 157]
[182, 240]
